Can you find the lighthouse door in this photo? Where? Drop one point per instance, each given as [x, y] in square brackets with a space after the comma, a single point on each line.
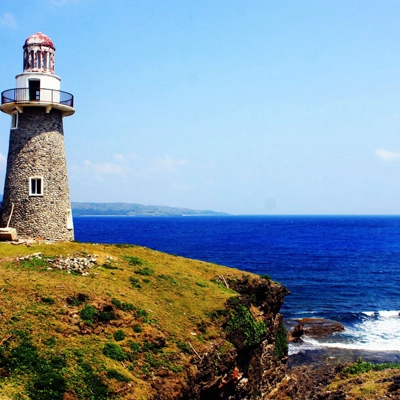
[34, 89]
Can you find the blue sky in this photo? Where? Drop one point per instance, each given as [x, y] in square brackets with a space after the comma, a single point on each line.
[247, 107]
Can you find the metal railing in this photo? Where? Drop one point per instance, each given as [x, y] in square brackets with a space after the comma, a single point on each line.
[24, 95]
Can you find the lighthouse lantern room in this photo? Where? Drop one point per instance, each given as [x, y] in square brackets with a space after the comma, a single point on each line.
[36, 200]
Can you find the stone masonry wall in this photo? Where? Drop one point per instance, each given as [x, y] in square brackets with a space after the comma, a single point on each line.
[36, 149]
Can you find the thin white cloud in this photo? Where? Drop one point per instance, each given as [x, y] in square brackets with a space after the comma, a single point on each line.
[208, 165]
[181, 187]
[8, 20]
[168, 164]
[134, 157]
[387, 155]
[105, 168]
[62, 3]
[2, 160]
[119, 157]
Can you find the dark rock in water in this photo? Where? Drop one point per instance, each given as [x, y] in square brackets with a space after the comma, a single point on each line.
[313, 327]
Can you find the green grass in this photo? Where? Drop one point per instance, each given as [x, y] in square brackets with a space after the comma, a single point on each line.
[241, 322]
[360, 367]
[76, 330]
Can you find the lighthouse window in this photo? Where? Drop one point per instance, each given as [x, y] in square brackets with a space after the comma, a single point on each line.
[36, 186]
[14, 120]
[39, 59]
[45, 60]
[32, 57]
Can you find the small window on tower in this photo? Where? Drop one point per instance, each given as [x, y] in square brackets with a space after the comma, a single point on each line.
[70, 223]
[14, 120]
[36, 186]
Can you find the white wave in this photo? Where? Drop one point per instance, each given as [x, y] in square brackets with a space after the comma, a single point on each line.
[384, 314]
[378, 331]
[295, 348]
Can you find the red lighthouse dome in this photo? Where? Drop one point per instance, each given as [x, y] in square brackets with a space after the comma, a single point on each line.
[39, 54]
[39, 39]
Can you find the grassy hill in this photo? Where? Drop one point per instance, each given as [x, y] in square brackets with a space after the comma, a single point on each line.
[125, 322]
[86, 321]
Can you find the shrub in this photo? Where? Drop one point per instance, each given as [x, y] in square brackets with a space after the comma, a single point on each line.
[132, 260]
[217, 315]
[135, 347]
[127, 307]
[281, 342]
[137, 328]
[114, 351]
[48, 386]
[119, 335]
[123, 306]
[114, 374]
[77, 300]
[152, 361]
[88, 314]
[175, 368]
[58, 362]
[106, 315]
[87, 384]
[361, 366]
[146, 271]
[242, 322]
[47, 300]
[135, 282]
[109, 266]
[142, 314]
[167, 278]
[51, 342]
[184, 347]
[26, 356]
[202, 326]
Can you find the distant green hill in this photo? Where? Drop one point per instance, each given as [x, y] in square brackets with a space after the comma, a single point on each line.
[133, 209]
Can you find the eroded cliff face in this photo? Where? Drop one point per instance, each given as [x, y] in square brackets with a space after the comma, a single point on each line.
[250, 360]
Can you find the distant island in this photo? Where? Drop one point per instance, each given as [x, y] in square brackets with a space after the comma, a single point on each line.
[133, 209]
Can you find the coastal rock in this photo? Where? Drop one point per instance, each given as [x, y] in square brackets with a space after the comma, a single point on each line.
[313, 327]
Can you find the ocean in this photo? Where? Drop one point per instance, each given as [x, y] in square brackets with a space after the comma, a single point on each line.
[344, 268]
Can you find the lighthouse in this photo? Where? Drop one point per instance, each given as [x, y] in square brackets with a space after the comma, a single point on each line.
[36, 201]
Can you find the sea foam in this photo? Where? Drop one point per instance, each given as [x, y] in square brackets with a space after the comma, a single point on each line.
[373, 331]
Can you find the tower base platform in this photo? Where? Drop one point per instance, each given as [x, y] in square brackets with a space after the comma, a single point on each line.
[8, 234]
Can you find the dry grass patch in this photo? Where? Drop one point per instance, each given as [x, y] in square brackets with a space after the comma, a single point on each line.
[363, 380]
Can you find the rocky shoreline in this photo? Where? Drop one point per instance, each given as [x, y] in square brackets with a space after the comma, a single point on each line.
[310, 371]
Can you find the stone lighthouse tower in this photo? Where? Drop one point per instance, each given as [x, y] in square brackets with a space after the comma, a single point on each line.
[36, 199]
